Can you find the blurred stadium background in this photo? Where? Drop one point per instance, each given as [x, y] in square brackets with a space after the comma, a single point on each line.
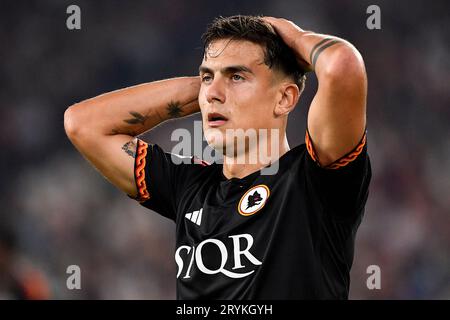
[57, 211]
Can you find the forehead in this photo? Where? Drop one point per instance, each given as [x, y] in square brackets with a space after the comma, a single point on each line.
[227, 51]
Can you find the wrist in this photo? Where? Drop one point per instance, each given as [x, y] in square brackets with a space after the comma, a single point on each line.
[301, 48]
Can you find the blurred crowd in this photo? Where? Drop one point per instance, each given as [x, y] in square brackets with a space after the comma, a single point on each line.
[58, 211]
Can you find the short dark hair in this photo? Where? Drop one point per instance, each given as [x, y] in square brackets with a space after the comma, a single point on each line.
[277, 54]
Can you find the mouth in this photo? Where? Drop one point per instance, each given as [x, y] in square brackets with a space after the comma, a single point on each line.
[216, 119]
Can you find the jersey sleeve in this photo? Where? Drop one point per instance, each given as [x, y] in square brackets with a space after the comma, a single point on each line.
[160, 179]
[341, 187]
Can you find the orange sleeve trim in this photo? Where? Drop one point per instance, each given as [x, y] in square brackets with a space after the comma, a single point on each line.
[310, 148]
[342, 162]
[139, 171]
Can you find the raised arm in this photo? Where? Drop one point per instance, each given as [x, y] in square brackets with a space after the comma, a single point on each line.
[337, 115]
[103, 128]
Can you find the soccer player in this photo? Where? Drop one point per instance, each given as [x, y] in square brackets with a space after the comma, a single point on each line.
[242, 234]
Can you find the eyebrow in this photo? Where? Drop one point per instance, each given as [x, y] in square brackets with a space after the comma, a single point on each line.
[226, 70]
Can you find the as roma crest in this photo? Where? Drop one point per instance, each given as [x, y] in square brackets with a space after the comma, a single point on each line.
[253, 200]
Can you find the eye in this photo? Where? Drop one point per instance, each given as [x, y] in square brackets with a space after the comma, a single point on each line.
[237, 77]
[206, 78]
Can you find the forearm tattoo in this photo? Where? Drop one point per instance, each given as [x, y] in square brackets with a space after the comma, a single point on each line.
[130, 148]
[137, 118]
[319, 48]
[174, 109]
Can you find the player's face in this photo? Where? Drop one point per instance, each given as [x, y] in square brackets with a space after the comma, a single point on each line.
[238, 90]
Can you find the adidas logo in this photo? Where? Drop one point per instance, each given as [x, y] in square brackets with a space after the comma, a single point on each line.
[195, 217]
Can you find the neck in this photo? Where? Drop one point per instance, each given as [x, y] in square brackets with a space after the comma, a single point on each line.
[251, 160]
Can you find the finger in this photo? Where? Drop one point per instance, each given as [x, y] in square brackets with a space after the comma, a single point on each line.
[270, 20]
[273, 22]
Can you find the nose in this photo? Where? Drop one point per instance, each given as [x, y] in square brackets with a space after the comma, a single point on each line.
[215, 91]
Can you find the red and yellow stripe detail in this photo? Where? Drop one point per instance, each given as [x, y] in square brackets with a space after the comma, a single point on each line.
[342, 162]
[139, 171]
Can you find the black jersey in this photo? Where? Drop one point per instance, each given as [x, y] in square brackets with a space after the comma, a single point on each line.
[284, 236]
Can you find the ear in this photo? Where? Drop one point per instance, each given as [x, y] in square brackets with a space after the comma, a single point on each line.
[289, 94]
